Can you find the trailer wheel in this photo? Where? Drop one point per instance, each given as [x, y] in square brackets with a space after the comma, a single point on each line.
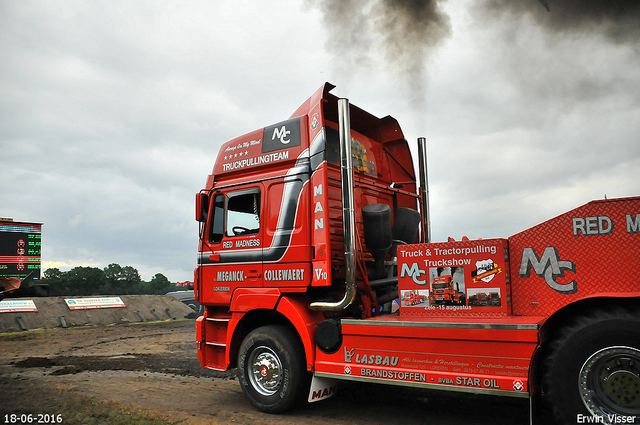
[593, 368]
[271, 368]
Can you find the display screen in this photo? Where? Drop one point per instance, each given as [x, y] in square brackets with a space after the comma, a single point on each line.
[20, 249]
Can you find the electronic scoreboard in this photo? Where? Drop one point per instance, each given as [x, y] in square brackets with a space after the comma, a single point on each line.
[20, 249]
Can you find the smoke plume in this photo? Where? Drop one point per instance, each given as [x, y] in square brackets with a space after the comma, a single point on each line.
[617, 20]
[405, 32]
[400, 36]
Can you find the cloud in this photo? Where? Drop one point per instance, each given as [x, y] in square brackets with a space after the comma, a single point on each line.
[526, 122]
[113, 112]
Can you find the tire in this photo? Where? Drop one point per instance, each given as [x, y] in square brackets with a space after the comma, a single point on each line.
[593, 368]
[272, 368]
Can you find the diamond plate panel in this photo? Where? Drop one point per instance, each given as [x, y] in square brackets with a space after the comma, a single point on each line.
[591, 251]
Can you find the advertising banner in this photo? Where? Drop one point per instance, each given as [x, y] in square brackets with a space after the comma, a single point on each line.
[88, 303]
[15, 306]
[464, 276]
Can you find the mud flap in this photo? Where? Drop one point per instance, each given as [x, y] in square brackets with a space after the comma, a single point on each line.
[322, 388]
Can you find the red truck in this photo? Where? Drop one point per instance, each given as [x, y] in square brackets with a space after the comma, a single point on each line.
[310, 227]
[410, 298]
[445, 290]
[478, 299]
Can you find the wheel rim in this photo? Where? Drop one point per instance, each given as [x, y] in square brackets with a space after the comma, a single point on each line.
[609, 382]
[265, 371]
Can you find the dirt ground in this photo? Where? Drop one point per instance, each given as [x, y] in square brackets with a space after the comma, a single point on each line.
[149, 373]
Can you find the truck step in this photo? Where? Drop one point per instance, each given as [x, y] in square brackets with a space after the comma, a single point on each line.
[212, 340]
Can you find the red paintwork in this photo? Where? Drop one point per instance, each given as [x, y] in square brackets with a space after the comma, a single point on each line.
[247, 299]
[484, 345]
[305, 320]
[606, 265]
[437, 352]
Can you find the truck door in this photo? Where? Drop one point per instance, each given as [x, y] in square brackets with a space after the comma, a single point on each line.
[232, 249]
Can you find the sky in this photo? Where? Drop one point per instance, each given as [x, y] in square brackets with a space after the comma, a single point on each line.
[112, 112]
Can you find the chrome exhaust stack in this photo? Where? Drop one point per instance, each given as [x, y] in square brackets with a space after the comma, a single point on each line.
[348, 213]
[424, 189]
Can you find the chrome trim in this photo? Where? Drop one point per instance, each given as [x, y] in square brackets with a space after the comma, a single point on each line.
[424, 188]
[376, 350]
[508, 326]
[602, 393]
[348, 213]
[265, 371]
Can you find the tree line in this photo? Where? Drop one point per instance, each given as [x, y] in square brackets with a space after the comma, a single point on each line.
[112, 280]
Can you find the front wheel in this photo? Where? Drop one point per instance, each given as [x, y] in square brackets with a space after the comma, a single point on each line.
[271, 368]
[593, 368]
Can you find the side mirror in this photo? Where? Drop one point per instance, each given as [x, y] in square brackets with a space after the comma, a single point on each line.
[202, 207]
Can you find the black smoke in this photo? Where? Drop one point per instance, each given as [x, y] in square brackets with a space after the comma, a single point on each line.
[405, 32]
[616, 20]
[401, 36]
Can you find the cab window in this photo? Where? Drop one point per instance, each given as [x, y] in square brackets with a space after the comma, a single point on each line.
[243, 213]
[217, 219]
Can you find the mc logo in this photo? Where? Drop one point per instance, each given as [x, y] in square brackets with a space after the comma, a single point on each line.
[418, 275]
[550, 267]
[284, 135]
[281, 133]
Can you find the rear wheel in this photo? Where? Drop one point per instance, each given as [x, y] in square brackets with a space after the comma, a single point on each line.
[271, 368]
[593, 368]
